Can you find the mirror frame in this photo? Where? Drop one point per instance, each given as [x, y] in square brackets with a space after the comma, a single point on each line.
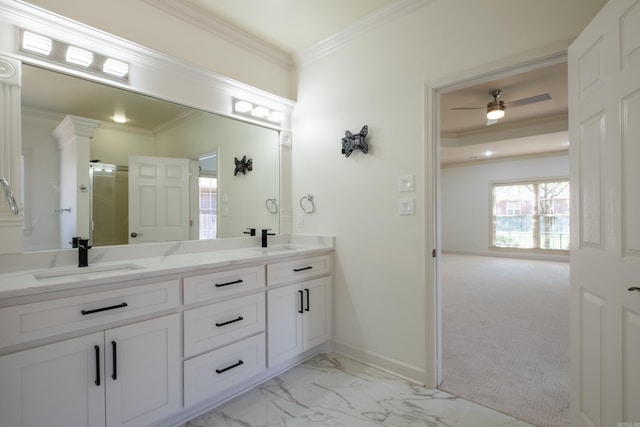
[150, 73]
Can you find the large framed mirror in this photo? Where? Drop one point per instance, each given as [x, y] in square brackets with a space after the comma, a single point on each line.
[218, 199]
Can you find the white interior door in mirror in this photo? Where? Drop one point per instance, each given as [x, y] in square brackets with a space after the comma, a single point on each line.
[158, 199]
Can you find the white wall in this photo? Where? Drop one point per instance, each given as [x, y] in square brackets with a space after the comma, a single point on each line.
[379, 79]
[466, 197]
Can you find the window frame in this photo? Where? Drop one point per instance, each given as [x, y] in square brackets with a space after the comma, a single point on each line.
[536, 232]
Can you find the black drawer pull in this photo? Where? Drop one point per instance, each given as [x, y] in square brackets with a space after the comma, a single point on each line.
[114, 375]
[235, 365]
[97, 310]
[97, 349]
[301, 302]
[634, 288]
[307, 292]
[303, 268]
[230, 321]
[219, 285]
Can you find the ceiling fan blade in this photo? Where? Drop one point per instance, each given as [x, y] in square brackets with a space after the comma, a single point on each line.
[527, 101]
[468, 108]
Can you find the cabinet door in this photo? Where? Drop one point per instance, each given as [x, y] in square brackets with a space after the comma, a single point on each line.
[58, 384]
[284, 310]
[142, 370]
[317, 312]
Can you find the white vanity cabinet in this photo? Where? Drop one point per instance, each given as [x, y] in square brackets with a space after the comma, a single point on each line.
[299, 313]
[224, 341]
[126, 376]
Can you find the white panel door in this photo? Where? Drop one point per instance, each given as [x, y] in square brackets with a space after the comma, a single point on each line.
[316, 321]
[59, 384]
[604, 126]
[284, 323]
[158, 199]
[142, 370]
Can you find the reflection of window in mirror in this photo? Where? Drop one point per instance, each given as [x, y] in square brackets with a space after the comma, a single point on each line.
[208, 190]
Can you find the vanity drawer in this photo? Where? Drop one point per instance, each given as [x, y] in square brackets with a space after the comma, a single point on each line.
[216, 371]
[212, 286]
[301, 269]
[28, 322]
[215, 325]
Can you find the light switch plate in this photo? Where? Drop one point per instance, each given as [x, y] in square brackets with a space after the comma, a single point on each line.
[405, 206]
[405, 183]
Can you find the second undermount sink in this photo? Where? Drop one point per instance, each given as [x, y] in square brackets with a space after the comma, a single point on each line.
[76, 271]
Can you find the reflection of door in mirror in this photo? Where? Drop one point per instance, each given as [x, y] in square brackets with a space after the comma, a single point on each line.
[158, 199]
[207, 223]
[109, 204]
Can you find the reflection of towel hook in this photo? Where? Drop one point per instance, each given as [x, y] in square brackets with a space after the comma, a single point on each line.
[9, 196]
[309, 206]
[272, 205]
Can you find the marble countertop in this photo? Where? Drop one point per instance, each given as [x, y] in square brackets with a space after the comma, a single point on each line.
[174, 261]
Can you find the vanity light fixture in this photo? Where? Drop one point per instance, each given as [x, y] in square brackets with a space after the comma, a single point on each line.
[243, 107]
[115, 67]
[42, 47]
[78, 56]
[260, 112]
[36, 43]
[246, 108]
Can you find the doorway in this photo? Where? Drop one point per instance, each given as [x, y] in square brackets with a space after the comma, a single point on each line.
[438, 147]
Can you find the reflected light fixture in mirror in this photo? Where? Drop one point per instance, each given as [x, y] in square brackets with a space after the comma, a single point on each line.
[44, 47]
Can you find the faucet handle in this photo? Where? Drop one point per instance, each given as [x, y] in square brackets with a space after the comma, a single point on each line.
[84, 243]
[74, 242]
[264, 232]
[251, 232]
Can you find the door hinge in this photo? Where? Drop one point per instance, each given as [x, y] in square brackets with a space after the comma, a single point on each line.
[433, 253]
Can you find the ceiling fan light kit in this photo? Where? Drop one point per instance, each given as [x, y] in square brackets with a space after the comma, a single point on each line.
[495, 109]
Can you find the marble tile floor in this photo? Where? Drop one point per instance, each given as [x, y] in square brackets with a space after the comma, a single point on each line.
[333, 390]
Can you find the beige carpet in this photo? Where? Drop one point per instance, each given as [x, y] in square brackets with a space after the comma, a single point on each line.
[506, 335]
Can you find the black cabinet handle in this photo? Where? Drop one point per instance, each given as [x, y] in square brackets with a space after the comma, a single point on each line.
[114, 375]
[230, 321]
[97, 349]
[634, 288]
[235, 365]
[307, 292]
[97, 310]
[301, 303]
[309, 267]
[219, 285]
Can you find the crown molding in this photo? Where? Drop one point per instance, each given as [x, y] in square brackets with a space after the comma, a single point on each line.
[384, 15]
[206, 21]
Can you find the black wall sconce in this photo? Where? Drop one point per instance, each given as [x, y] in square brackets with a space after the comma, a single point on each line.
[243, 165]
[351, 142]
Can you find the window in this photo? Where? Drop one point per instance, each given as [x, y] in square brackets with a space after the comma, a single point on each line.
[531, 215]
[208, 207]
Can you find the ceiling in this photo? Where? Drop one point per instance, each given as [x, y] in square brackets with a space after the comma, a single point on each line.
[293, 26]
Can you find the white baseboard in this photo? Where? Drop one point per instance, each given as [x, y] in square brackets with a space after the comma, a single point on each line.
[505, 254]
[407, 372]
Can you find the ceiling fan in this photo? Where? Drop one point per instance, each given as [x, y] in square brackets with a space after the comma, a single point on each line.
[495, 109]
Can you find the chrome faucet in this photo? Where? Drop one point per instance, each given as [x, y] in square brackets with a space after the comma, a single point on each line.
[83, 252]
[264, 236]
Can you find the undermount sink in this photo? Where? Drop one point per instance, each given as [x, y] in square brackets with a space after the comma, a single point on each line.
[76, 271]
[278, 248]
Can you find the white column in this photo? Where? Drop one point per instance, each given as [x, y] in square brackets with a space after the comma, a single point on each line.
[286, 212]
[10, 149]
[73, 136]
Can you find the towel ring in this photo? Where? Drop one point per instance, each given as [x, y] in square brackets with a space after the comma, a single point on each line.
[9, 195]
[309, 206]
[272, 205]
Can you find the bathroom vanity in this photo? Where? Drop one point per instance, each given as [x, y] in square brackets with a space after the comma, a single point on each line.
[157, 340]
